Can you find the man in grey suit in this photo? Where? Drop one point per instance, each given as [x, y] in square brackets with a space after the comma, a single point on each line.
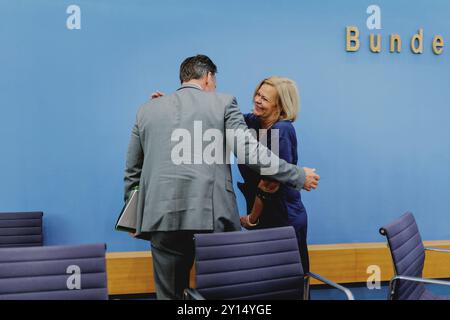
[178, 198]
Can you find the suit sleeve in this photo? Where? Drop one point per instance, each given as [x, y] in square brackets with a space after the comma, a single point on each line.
[254, 153]
[135, 158]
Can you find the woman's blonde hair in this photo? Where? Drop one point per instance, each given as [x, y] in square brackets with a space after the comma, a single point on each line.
[288, 99]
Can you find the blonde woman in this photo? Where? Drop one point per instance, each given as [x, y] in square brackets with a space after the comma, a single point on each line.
[269, 204]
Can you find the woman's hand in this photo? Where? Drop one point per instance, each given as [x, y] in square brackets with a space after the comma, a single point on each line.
[269, 186]
[248, 223]
[244, 222]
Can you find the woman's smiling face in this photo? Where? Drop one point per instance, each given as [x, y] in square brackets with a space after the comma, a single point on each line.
[265, 102]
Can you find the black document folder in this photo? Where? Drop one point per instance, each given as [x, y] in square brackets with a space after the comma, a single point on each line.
[127, 218]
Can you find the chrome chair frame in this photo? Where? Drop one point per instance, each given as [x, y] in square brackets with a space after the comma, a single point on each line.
[193, 294]
[394, 280]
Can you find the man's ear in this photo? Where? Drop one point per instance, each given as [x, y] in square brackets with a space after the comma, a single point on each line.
[211, 80]
[206, 80]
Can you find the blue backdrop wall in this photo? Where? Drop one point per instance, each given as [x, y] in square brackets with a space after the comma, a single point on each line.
[376, 126]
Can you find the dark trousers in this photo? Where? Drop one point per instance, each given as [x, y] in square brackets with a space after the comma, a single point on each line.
[173, 256]
[303, 248]
[304, 255]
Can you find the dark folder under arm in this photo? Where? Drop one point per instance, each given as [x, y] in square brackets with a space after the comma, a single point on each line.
[127, 218]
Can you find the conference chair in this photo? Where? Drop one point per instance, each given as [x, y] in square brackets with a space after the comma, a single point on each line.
[75, 272]
[20, 229]
[259, 264]
[408, 256]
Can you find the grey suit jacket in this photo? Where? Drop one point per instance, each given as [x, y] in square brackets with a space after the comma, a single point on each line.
[187, 196]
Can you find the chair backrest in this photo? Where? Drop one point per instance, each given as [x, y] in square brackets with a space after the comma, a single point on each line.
[258, 264]
[20, 229]
[408, 255]
[53, 273]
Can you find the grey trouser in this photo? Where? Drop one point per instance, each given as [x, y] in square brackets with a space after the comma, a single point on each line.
[173, 256]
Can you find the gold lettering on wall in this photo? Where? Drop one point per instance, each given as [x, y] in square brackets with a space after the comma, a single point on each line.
[375, 47]
[438, 44]
[395, 39]
[417, 39]
[352, 42]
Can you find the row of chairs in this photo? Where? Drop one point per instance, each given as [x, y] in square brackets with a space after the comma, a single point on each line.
[265, 264]
[31, 271]
[261, 264]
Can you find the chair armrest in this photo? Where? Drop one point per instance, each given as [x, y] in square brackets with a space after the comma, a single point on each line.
[422, 280]
[347, 292]
[438, 249]
[192, 294]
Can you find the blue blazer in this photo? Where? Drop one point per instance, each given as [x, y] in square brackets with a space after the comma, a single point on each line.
[287, 207]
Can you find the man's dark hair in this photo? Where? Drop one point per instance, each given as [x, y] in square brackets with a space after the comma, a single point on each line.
[196, 67]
